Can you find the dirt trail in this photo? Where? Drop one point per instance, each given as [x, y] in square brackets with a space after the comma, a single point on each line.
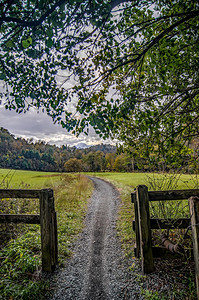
[96, 270]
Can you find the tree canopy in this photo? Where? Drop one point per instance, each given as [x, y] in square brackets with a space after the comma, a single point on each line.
[127, 68]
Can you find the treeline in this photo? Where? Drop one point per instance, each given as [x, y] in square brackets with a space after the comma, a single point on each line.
[98, 161]
[18, 153]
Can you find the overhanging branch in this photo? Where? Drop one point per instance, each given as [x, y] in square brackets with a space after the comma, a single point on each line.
[35, 23]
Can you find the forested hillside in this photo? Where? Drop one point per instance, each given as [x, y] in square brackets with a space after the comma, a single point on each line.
[18, 153]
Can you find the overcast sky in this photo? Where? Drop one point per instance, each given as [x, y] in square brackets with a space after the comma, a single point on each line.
[39, 126]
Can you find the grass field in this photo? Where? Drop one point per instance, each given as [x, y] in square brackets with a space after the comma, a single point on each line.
[131, 180]
[20, 259]
[22, 179]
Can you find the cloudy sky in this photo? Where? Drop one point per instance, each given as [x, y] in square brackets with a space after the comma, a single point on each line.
[39, 126]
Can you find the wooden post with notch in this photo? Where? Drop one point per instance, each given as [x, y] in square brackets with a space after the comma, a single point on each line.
[194, 212]
[48, 230]
[142, 200]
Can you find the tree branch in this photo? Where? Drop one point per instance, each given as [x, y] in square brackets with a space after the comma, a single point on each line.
[151, 44]
[37, 22]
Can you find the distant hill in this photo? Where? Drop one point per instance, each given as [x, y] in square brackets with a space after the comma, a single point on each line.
[82, 146]
[105, 148]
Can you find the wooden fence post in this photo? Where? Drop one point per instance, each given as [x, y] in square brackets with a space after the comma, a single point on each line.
[194, 212]
[137, 229]
[48, 230]
[55, 237]
[142, 200]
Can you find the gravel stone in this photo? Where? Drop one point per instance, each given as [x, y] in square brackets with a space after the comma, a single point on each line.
[98, 269]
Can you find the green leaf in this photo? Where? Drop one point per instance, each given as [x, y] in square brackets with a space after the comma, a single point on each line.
[49, 43]
[26, 43]
[50, 32]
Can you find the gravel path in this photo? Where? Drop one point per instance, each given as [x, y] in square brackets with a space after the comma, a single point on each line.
[97, 270]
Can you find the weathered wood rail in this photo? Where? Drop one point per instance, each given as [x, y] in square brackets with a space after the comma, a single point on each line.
[47, 220]
[143, 223]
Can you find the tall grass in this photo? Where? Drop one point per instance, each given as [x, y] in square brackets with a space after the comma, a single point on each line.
[20, 258]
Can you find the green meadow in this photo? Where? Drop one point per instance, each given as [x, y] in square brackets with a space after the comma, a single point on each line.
[33, 179]
[30, 179]
[131, 180]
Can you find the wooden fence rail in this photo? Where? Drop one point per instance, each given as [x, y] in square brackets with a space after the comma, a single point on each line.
[143, 224]
[167, 195]
[47, 220]
[27, 219]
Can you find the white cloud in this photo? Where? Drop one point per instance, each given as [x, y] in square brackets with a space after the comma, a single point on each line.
[39, 126]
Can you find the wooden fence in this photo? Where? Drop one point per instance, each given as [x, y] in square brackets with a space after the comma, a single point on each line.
[47, 220]
[143, 224]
